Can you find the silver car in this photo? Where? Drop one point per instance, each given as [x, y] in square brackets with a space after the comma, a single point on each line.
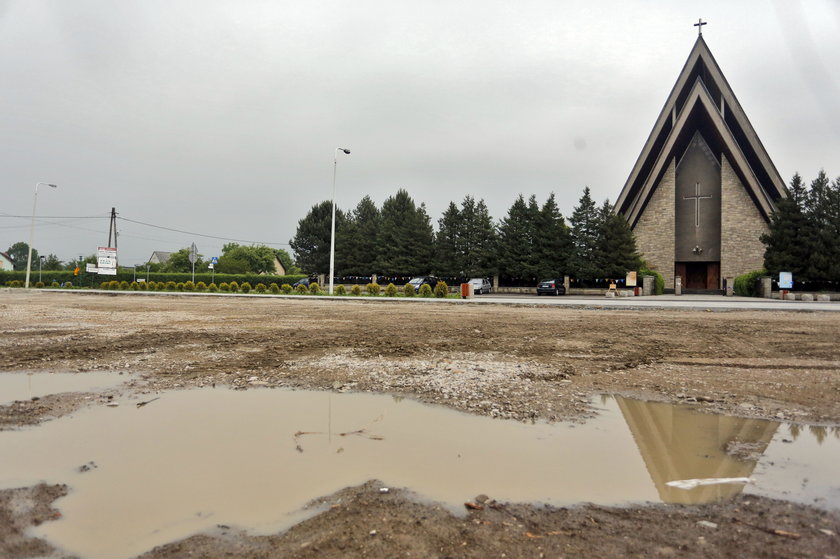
[480, 285]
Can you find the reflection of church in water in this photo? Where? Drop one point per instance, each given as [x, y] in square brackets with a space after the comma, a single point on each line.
[677, 443]
[701, 193]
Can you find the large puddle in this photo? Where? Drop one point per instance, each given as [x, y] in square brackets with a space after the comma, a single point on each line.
[194, 459]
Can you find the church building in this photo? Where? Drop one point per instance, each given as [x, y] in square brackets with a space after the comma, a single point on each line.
[701, 193]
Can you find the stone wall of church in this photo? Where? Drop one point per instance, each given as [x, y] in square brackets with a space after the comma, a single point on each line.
[655, 229]
[741, 224]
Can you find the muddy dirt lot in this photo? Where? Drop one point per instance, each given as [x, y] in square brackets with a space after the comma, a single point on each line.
[519, 362]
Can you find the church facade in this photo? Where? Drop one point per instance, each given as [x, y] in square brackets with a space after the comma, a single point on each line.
[703, 188]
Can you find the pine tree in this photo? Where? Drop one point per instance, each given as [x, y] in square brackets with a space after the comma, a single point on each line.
[406, 237]
[481, 239]
[584, 221]
[554, 245]
[359, 241]
[517, 258]
[616, 251]
[312, 239]
[790, 234]
[448, 241]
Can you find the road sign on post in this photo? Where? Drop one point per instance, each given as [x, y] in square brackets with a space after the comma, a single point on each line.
[193, 258]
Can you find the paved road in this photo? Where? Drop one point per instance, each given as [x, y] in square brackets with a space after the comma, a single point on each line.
[716, 302]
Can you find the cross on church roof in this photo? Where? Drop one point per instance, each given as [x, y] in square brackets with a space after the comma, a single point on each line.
[699, 25]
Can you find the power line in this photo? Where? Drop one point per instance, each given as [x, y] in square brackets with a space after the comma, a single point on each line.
[199, 234]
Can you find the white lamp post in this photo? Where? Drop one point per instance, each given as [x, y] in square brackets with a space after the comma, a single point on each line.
[32, 230]
[332, 233]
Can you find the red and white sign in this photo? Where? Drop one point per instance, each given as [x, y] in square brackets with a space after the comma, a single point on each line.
[106, 261]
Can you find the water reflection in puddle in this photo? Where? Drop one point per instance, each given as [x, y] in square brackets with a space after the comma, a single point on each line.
[25, 386]
[198, 458]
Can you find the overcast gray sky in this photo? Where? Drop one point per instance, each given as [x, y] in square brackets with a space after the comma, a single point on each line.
[221, 117]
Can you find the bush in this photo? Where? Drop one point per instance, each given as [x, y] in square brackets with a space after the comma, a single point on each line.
[234, 287]
[274, 288]
[189, 286]
[141, 285]
[67, 284]
[339, 290]
[314, 288]
[39, 285]
[373, 289]
[286, 288]
[180, 286]
[245, 287]
[356, 290]
[441, 289]
[224, 287]
[745, 284]
[260, 288]
[408, 290]
[213, 288]
[201, 286]
[161, 286]
[302, 289]
[54, 285]
[658, 280]
[425, 290]
[390, 290]
[124, 285]
[134, 286]
[151, 285]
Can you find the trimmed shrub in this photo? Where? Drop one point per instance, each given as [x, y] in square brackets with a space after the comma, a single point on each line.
[441, 289]
[658, 280]
[390, 290]
[356, 290]
[161, 286]
[260, 288]
[245, 287]
[141, 285]
[425, 290]
[54, 284]
[171, 286]
[180, 286]
[124, 285]
[302, 289]
[201, 286]
[408, 290]
[213, 288]
[151, 285]
[234, 287]
[189, 286]
[67, 284]
[286, 288]
[339, 290]
[224, 287]
[274, 288]
[373, 289]
[314, 288]
[39, 285]
[134, 286]
[745, 284]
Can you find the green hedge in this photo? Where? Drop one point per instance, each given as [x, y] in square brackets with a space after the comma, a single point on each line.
[746, 284]
[62, 276]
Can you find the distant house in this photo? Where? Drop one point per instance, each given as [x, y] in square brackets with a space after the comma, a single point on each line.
[159, 257]
[6, 263]
[279, 269]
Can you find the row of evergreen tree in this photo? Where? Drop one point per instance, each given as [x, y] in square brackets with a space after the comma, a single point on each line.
[532, 241]
[804, 236]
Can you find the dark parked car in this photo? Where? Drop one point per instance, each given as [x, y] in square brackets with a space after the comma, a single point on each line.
[551, 287]
[418, 282]
[304, 281]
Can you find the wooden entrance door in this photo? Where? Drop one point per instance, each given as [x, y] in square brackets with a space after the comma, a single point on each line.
[698, 275]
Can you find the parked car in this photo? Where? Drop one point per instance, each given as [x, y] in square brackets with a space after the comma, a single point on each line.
[480, 285]
[304, 281]
[551, 287]
[418, 282]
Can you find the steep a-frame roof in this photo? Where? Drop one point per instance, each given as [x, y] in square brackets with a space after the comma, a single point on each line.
[702, 100]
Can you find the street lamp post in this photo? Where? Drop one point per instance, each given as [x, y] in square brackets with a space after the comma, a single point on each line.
[32, 230]
[332, 232]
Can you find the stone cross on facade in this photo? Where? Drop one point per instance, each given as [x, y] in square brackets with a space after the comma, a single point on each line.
[699, 25]
[697, 197]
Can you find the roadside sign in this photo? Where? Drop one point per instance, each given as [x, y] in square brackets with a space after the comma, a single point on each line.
[631, 279]
[193, 255]
[91, 269]
[210, 266]
[785, 280]
[214, 260]
[106, 261]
